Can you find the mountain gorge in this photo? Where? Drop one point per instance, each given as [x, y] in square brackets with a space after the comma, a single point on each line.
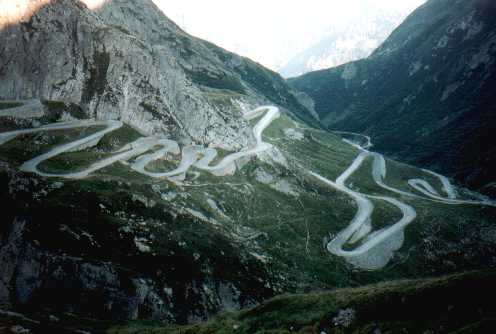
[151, 181]
[426, 94]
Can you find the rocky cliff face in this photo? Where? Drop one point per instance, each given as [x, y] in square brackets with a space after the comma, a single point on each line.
[425, 95]
[125, 60]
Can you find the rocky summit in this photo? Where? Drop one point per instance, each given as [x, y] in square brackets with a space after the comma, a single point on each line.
[125, 60]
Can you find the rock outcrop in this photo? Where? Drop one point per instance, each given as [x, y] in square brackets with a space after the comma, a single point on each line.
[126, 60]
[74, 254]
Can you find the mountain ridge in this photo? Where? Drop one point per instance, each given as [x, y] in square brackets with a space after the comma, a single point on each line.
[435, 71]
[99, 71]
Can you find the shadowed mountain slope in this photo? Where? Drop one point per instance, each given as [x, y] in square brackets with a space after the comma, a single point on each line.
[426, 95]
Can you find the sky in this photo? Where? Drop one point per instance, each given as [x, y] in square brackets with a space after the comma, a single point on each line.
[270, 31]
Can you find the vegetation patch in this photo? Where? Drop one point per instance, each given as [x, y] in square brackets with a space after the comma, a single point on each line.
[220, 80]
[9, 105]
[453, 304]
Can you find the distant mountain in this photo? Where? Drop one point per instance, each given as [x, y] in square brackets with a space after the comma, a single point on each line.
[427, 94]
[346, 41]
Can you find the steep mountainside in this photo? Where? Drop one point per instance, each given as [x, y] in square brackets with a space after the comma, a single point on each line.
[414, 306]
[126, 60]
[111, 213]
[406, 306]
[427, 94]
[354, 39]
[107, 239]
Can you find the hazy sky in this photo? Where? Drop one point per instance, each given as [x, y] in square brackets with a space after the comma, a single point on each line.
[270, 31]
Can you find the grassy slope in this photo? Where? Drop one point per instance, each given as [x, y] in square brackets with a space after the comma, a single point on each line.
[409, 114]
[283, 233]
[454, 304]
[458, 303]
[289, 231]
[8, 105]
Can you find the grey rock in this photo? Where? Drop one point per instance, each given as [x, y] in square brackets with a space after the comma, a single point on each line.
[128, 61]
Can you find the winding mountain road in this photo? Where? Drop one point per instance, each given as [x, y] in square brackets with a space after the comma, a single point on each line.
[25, 109]
[201, 157]
[193, 155]
[368, 140]
[422, 186]
[377, 248]
[370, 249]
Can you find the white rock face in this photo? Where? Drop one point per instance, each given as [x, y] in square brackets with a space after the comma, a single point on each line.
[285, 187]
[450, 89]
[349, 72]
[414, 68]
[443, 41]
[294, 134]
[263, 176]
[484, 56]
[469, 25]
